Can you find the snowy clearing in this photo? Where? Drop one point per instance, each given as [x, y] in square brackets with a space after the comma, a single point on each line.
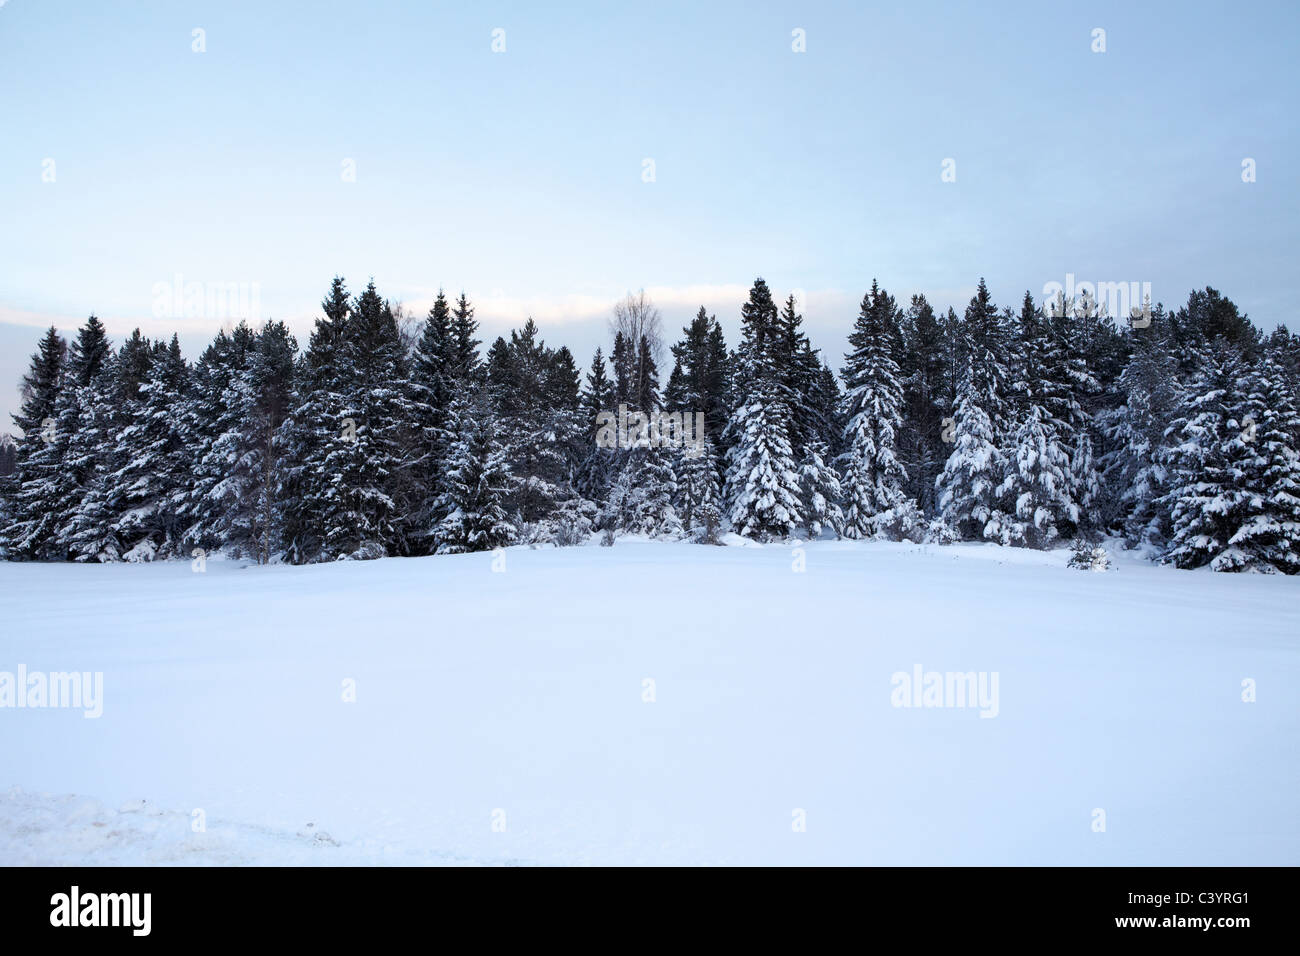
[514, 702]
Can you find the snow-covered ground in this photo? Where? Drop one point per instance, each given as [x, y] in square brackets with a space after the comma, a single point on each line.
[516, 699]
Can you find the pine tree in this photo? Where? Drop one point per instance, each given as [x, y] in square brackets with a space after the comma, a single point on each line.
[39, 499]
[538, 438]
[646, 394]
[820, 492]
[90, 533]
[156, 468]
[872, 406]
[1036, 486]
[1134, 468]
[801, 372]
[647, 507]
[466, 366]
[85, 420]
[1268, 539]
[699, 493]
[698, 383]
[623, 362]
[762, 480]
[250, 496]
[434, 377]
[478, 485]
[594, 473]
[1077, 342]
[91, 352]
[315, 429]
[1208, 501]
[212, 423]
[968, 500]
[369, 499]
[923, 371]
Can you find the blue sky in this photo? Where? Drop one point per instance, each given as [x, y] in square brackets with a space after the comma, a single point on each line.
[518, 175]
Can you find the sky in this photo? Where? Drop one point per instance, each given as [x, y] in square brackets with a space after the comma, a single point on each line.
[549, 158]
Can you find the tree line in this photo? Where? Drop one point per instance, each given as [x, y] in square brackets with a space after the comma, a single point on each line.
[1029, 427]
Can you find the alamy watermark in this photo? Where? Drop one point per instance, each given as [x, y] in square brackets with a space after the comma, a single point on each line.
[636, 429]
[179, 299]
[75, 908]
[1131, 300]
[73, 690]
[952, 689]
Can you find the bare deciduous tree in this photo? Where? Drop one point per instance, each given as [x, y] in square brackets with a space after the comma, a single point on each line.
[635, 315]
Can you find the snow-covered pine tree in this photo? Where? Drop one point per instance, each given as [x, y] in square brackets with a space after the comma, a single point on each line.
[477, 483]
[699, 493]
[466, 366]
[762, 486]
[872, 406]
[646, 395]
[967, 486]
[91, 533]
[801, 378]
[1268, 540]
[1208, 499]
[570, 442]
[1285, 350]
[84, 417]
[1082, 340]
[314, 429]
[595, 472]
[698, 384]
[820, 490]
[623, 362]
[39, 499]
[922, 367]
[651, 487]
[156, 464]
[433, 381]
[246, 502]
[91, 352]
[1134, 467]
[524, 378]
[371, 488]
[1036, 485]
[211, 422]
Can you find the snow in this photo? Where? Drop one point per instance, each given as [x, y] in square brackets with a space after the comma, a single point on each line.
[522, 692]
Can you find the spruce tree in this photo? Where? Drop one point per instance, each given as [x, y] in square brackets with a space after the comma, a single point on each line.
[968, 484]
[820, 492]
[1207, 499]
[1036, 487]
[1134, 469]
[466, 366]
[922, 368]
[478, 485]
[434, 378]
[39, 499]
[762, 479]
[699, 493]
[594, 471]
[366, 509]
[647, 507]
[872, 407]
[1268, 539]
[156, 464]
[967, 488]
[646, 388]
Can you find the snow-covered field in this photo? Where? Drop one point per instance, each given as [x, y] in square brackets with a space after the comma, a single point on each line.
[501, 717]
